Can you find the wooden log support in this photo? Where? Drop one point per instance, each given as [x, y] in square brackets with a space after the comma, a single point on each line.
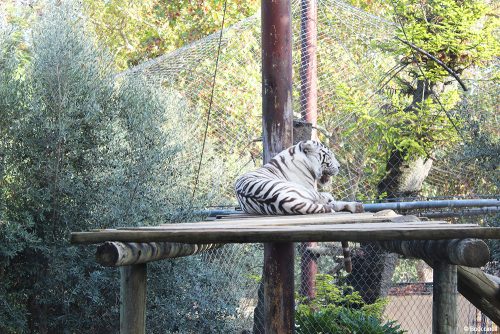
[114, 254]
[482, 290]
[133, 299]
[444, 299]
[466, 252]
[328, 250]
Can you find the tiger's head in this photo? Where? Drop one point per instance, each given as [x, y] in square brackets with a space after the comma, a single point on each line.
[323, 165]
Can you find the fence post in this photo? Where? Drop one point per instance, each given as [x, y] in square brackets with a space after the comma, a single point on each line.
[309, 112]
[444, 299]
[277, 125]
[133, 299]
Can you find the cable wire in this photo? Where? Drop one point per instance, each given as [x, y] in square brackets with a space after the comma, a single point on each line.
[211, 101]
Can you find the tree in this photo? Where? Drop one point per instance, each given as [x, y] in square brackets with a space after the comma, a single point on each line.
[81, 148]
[435, 39]
[458, 34]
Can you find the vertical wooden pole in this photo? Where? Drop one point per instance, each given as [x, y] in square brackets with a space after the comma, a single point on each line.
[277, 124]
[277, 117]
[309, 113]
[444, 299]
[133, 299]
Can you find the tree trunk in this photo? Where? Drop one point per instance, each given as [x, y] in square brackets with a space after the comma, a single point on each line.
[404, 178]
[372, 271]
[374, 267]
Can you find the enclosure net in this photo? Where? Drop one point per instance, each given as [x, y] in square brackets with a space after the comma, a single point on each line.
[355, 92]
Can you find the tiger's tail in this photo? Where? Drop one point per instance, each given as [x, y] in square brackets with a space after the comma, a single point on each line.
[347, 256]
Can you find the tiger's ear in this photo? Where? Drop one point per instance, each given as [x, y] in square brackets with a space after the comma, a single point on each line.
[308, 146]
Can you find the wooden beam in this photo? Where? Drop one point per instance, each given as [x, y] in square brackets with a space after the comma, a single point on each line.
[465, 252]
[444, 299]
[114, 254]
[319, 219]
[481, 291]
[133, 299]
[345, 232]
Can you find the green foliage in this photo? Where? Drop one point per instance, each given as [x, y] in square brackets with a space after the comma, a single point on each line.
[480, 112]
[458, 33]
[147, 29]
[420, 132]
[339, 309]
[332, 296]
[186, 294]
[236, 111]
[405, 272]
[419, 119]
[343, 321]
[82, 149]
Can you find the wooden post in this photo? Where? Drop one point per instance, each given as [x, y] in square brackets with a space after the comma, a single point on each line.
[277, 117]
[133, 299]
[277, 124]
[444, 299]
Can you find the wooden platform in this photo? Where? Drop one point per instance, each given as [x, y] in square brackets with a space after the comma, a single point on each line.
[385, 225]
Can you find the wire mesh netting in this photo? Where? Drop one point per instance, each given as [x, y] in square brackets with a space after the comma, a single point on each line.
[359, 105]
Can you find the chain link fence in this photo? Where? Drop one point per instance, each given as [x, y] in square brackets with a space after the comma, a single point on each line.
[358, 105]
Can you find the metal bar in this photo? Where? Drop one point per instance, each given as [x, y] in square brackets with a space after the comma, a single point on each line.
[490, 205]
[431, 204]
[488, 210]
[277, 124]
[216, 212]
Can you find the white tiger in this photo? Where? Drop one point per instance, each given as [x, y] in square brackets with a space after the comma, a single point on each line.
[288, 184]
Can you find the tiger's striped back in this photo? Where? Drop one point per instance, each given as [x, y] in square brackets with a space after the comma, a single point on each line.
[288, 183]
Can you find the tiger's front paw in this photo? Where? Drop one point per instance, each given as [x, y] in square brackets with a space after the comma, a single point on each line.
[326, 198]
[329, 208]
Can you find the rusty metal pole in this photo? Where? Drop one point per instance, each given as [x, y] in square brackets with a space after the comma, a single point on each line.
[308, 63]
[277, 124]
[309, 113]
